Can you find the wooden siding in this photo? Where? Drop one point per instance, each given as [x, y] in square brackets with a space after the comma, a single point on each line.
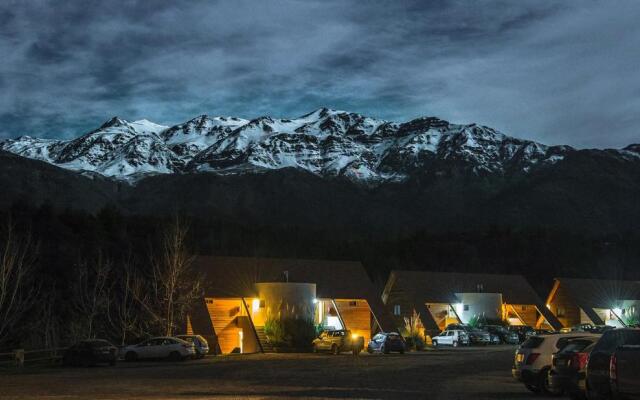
[224, 313]
[356, 316]
[440, 313]
[397, 297]
[526, 312]
[564, 308]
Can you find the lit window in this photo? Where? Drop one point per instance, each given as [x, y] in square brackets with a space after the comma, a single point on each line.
[396, 309]
[466, 307]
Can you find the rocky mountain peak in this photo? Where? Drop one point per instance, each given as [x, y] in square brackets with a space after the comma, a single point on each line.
[324, 142]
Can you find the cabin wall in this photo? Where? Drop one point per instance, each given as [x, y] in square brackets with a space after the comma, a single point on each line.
[441, 314]
[527, 312]
[224, 315]
[356, 315]
[563, 307]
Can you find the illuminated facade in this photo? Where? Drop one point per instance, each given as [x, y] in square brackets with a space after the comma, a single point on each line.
[443, 298]
[242, 294]
[595, 301]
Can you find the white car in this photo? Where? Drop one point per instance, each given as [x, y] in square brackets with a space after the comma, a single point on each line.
[160, 347]
[533, 359]
[453, 338]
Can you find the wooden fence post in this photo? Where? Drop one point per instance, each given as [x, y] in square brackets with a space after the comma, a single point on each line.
[19, 357]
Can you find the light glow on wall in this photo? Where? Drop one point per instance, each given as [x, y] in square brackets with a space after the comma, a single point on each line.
[333, 322]
[255, 305]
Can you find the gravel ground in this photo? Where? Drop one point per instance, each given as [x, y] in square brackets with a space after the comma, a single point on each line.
[462, 373]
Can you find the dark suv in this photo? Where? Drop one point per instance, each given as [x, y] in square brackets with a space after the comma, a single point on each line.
[90, 352]
[524, 332]
[386, 342]
[505, 335]
[597, 377]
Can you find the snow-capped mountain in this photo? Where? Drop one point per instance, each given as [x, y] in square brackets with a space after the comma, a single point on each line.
[324, 142]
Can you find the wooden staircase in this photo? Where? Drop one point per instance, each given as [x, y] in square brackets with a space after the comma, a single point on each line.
[267, 347]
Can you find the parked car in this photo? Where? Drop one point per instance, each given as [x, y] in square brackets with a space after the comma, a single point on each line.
[533, 360]
[524, 332]
[160, 347]
[568, 367]
[201, 345]
[386, 343]
[454, 337]
[90, 352]
[494, 339]
[587, 328]
[338, 341]
[476, 335]
[504, 334]
[624, 372]
[598, 383]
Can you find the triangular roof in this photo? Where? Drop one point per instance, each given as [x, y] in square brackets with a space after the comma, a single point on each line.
[236, 277]
[600, 293]
[422, 287]
[440, 287]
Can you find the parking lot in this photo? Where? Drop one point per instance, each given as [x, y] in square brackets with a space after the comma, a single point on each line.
[462, 373]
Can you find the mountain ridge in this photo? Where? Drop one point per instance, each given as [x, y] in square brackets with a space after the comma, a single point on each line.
[325, 142]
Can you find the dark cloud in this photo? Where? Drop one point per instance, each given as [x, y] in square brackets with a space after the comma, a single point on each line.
[557, 72]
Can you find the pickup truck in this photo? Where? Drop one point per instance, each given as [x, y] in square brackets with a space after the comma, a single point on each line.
[624, 372]
[338, 341]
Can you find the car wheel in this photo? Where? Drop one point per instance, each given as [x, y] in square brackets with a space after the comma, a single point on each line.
[455, 343]
[369, 350]
[434, 343]
[544, 384]
[532, 388]
[334, 350]
[131, 356]
[593, 394]
[384, 349]
[175, 356]
[402, 350]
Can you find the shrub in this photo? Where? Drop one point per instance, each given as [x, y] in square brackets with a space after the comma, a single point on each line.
[274, 329]
[299, 332]
[412, 331]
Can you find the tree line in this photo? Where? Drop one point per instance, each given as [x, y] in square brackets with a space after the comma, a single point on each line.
[125, 277]
[121, 295]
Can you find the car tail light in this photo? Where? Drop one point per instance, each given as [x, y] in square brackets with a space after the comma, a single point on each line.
[613, 373]
[579, 360]
[532, 358]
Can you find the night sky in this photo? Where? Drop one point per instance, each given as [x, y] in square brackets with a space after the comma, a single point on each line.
[560, 72]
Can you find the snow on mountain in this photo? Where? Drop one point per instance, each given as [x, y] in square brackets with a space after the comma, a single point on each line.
[324, 142]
